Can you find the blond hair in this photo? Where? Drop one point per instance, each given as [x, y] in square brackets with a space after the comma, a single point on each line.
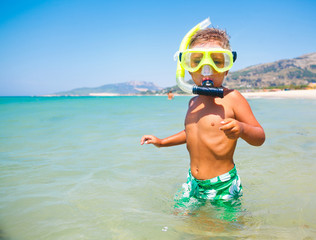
[205, 35]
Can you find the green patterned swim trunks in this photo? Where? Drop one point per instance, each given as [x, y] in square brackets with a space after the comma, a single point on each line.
[195, 192]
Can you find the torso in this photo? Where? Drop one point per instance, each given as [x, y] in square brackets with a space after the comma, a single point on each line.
[211, 152]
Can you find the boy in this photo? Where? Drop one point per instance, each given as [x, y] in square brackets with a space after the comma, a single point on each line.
[212, 128]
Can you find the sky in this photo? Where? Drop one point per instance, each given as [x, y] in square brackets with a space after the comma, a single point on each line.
[48, 46]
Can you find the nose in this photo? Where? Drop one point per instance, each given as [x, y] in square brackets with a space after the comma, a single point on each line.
[206, 70]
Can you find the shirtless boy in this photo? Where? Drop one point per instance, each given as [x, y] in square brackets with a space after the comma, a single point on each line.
[212, 128]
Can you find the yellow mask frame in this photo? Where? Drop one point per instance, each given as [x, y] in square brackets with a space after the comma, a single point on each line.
[193, 59]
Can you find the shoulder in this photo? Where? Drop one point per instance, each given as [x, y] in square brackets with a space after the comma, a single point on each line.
[236, 100]
[233, 95]
[192, 100]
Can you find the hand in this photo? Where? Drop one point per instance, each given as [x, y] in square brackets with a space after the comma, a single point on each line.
[232, 128]
[150, 139]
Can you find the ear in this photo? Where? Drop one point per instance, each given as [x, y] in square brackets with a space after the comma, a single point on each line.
[226, 73]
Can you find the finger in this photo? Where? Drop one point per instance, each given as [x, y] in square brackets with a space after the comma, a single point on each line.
[227, 120]
[144, 139]
[227, 126]
[230, 134]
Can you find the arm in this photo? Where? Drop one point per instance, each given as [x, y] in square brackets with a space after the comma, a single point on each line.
[245, 124]
[176, 139]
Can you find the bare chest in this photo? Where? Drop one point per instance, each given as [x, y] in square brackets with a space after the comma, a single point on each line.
[207, 115]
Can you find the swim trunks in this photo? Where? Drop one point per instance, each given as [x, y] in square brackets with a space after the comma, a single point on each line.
[195, 192]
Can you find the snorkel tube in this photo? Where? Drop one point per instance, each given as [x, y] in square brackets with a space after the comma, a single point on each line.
[208, 89]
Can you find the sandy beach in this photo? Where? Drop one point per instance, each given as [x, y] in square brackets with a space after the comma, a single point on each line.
[294, 94]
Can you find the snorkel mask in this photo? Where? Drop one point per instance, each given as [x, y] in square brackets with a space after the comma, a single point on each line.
[221, 60]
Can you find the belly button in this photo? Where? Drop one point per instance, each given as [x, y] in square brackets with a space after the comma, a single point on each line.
[212, 124]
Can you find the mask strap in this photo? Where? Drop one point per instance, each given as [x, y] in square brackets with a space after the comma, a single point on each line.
[234, 55]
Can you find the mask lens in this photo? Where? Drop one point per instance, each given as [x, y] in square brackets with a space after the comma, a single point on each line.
[195, 59]
[191, 60]
[218, 59]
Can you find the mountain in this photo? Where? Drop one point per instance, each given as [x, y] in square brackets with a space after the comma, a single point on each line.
[127, 88]
[286, 73]
[289, 72]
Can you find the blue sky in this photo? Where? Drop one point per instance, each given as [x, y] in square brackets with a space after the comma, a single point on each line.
[56, 45]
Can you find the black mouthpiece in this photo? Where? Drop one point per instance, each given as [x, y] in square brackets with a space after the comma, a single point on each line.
[209, 91]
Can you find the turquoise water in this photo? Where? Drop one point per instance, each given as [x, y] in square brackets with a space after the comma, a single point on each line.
[73, 168]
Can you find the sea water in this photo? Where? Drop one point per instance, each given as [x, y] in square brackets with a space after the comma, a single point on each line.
[73, 168]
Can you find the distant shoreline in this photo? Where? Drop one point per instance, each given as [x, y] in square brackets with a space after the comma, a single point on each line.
[291, 94]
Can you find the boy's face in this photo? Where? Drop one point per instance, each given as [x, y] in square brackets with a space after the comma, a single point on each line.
[216, 77]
